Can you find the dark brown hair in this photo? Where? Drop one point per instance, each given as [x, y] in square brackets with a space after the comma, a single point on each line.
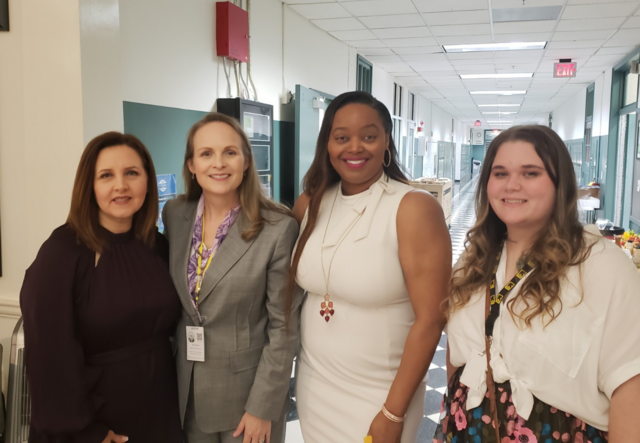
[559, 245]
[84, 212]
[322, 175]
[250, 194]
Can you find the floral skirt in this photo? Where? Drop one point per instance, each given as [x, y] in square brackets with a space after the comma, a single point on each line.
[546, 424]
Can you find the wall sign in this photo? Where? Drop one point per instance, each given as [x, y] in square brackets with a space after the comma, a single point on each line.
[564, 70]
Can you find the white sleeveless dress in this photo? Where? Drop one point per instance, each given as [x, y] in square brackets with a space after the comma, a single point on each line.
[346, 366]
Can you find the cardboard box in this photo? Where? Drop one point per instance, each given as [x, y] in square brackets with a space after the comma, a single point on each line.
[441, 189]
[589, 191]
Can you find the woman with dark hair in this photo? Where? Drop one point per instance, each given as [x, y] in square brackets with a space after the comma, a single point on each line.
[375, 259]
[99, 306]
[230, 254]
[544, 342]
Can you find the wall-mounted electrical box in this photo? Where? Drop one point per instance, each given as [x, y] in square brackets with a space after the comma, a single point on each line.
[232, 32]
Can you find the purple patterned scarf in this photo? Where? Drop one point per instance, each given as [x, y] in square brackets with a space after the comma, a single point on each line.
[221, 234]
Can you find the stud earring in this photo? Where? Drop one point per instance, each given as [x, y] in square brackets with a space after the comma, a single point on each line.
[193, 176]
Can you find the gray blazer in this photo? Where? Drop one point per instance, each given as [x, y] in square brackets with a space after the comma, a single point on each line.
[248, 350]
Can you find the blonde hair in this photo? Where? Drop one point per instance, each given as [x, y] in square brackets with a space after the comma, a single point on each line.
[250, 194]
[560, 245]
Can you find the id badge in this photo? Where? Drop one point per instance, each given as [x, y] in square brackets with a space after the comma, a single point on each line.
[474, 371]
[195, 343]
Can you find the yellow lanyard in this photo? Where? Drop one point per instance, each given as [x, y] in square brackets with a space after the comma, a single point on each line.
[199, 272]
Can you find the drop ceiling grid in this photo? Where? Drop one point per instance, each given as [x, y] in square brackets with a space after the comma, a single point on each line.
[405, 38]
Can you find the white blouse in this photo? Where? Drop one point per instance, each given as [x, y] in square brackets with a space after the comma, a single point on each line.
[577, 361]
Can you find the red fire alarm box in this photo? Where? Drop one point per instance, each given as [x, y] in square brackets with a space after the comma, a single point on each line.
[232, 32]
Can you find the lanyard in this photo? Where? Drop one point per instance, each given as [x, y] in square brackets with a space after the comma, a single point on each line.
[199, 272]
[496, 299]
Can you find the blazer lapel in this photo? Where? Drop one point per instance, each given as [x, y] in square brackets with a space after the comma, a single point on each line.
[184, 236]
[231, 250]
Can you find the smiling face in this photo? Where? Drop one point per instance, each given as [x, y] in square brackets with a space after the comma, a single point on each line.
[520, 190]
[120, 187]
[357, 146]
[218, 161]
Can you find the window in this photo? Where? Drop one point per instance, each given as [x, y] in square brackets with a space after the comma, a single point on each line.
[397, 100]
[364, 75]
[630, 89]
[412, 106]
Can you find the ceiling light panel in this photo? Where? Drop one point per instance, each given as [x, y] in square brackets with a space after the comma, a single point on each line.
[495, 47]
[526, 14]
[475, 76]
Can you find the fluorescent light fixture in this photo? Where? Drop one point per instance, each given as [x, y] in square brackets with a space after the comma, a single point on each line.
[472, 76]
[499, 92]
[498, 112]
[503, 105]
[514, 46]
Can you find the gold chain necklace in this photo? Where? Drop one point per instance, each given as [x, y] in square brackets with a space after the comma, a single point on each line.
[326, 306]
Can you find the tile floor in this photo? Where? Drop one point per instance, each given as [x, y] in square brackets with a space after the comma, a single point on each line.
[462, 218]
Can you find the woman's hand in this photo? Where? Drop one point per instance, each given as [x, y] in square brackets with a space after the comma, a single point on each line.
[383, 430]
[115, 438]
[255, 429]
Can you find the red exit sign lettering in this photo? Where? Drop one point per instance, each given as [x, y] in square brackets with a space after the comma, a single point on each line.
[561, 70]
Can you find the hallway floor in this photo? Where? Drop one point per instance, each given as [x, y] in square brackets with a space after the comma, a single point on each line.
[462, 218]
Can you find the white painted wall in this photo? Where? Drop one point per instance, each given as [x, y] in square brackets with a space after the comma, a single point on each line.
[169, 54]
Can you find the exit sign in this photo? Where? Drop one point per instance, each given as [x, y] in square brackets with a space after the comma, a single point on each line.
[562, 70]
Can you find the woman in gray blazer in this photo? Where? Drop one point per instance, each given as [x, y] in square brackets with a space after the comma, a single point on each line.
[230, 249]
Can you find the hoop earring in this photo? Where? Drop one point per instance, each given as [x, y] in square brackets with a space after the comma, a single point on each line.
[387, 164]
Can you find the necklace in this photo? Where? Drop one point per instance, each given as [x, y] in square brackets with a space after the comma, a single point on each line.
[326, 306]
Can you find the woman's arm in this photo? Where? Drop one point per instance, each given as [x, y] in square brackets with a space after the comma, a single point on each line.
[425, 256]
[59, 381]
[624, 426]
[271, 383]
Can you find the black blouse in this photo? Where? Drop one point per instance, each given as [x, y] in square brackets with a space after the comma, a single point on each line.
[97, 348]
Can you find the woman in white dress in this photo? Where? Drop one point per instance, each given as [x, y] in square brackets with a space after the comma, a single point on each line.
[374, 256]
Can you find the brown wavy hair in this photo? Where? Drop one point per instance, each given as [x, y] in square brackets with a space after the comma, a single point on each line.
[322, 175]
[560, 244]
[250, 194]
[83, 215]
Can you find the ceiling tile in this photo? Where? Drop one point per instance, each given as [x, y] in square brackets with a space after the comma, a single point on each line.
[533, 37]
[439, 31]
[619, 50]
[384, 59]
[425, 58]
[418, 50]
[471, 56]
[633, 35]
[457, 18]
[530, 54]
[576, 44]
[620, 42]
[447, 5]
[393, 21]
[410, 42]
[366, 44]
[464, 40]
[499, 4]
[362, 34]
[375, 51]
[601, 10]
[569, 53]
[594, 2]
[589, 24]
[524, 27]
[632, 22]
[379, 7]
[301, 2]
[418, 31]
[338, 24]
[582, 35]
[320, 11]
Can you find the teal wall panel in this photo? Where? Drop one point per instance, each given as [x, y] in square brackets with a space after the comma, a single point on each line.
[163, 130]
[477, 152]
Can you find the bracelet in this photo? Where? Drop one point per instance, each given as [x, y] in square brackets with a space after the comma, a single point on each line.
[392, 417]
